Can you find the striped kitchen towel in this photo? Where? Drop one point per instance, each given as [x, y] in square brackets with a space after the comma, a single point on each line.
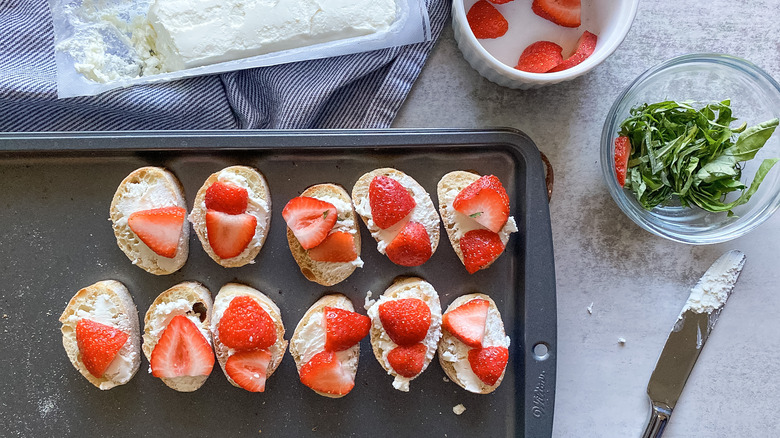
[363, 90]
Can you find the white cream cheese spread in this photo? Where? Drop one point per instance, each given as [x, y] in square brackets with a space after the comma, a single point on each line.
[424, 212]
[165, 312]
[457, 353]
[193, 33]
[428, 294]
[340, 269]
[140, 196]
[463, 224]
[104, 311]
[256, 206]
[311, 341]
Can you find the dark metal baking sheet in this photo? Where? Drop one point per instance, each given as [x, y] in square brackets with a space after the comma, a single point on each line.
[55, 191]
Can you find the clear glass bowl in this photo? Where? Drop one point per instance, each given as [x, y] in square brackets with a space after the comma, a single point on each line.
[755, 98]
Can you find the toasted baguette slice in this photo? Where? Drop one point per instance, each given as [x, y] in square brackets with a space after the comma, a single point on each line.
[424, 212]
[454, 354]
[447, 189]
[259, 206]
[190, 299]
[409, 287]
[328, 273]
[303, 346]
[107, 302]
[221, 303]
[145, 189]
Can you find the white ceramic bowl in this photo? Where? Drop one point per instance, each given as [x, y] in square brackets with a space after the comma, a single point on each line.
[495, 58]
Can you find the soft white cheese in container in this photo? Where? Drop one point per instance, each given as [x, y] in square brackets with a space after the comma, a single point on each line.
[193, 33]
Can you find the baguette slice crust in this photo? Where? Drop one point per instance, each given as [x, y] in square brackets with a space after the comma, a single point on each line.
[328, 273]
[453, 354]
[408, 287]
[259, 206]
[446, 190]
[300, 339]
[221, 303]
[107, 302]
[144, 189]
[190, 299]
[424, 212]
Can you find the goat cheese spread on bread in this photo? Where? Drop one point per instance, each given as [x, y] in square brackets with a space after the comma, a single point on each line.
[104, 311]
[429, 296]
[424, 212]
[457, 352]
[464, 224]
[192, 33]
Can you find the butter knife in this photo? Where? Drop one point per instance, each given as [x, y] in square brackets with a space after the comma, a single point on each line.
[687, 338]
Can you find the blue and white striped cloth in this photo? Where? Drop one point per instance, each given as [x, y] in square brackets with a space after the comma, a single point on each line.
[363, 90]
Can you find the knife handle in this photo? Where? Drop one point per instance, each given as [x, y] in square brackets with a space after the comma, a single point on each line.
[659, 416]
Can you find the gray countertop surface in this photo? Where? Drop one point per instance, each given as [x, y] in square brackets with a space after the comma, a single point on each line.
[636, 281]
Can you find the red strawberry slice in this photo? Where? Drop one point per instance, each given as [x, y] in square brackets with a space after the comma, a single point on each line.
[564, 13]
[407, 361]
[540, 57]
[500, 2]
[245, 325]
[229, 234]
[486, 201]
[405, 320]
[249, 369]
[389, 200]
[182, 351]
[586, 45]
[339, 246]
[227, 198]
[324, 373]
[344, 328]
[411, 247]
[310, 219]
[98, 345]
[480, 248]
[488, 363]
[486, 21]
[159, 228]
[622, 152]
[467, 322]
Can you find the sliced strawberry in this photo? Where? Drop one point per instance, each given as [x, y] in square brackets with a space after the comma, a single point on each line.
[181, 351]
[339, 246]
[411, 247]
[480, 248]
[467, 322]
[249, 369]
[229, 234]
[407, 361]
[488, 363]
[500, 2]
[98, 345]
[622, 152]
[344, 328]
[227, 198]
[389, 200]
[310, 219]
[486, 201]
[324, 373]
[586, 45]
[246, 325]
[564, 13]
[159, 228]
[486, 21]
[405, 320]
[540, 57]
